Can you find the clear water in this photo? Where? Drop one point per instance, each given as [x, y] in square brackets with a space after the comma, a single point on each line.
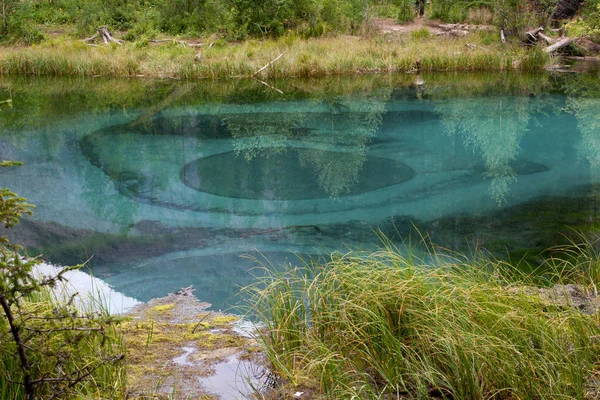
[163, 185]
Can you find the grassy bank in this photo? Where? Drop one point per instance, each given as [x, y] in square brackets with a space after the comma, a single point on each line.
[386, 324]
[345, 55]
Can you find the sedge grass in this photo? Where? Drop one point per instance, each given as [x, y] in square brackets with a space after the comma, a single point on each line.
[384, 323]
[344, 55]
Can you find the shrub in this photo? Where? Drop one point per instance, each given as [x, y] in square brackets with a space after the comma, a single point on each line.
[588, 24]
[406, 11]
[61, 350]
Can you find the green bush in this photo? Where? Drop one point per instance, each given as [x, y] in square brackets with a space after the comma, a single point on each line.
[385, 10]
[17, 26]
[588, 24]
[406, 11]
[511, 15]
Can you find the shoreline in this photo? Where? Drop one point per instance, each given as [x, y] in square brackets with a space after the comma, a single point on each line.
[286, 57]
[175, 345]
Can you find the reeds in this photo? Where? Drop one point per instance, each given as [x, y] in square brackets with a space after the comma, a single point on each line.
[344, 55]
[392, 323]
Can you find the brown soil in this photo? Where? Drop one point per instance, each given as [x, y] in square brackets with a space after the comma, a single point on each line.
[390, 25]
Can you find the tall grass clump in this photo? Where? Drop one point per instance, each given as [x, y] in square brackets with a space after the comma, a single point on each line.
[300, 58]
[384, 323]
[578, 262]
[406, 11]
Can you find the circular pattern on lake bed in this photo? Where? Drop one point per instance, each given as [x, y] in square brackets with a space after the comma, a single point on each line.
[293, 174]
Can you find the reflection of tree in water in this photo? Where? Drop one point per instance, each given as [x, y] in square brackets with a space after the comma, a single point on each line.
[587, 112]
[583, 100]
[493, 126]
[264, 133]
[345, 126]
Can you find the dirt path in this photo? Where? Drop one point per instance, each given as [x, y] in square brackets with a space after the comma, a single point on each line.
[390, 25]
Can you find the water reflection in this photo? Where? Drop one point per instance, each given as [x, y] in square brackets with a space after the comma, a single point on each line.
[493, 127]
[171, 190]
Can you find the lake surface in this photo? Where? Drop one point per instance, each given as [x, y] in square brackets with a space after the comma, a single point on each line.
[163, 185]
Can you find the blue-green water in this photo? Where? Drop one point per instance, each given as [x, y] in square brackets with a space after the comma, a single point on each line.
[166, 185]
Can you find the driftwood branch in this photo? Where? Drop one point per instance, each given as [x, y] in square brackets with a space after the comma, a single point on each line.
[558, 45]
[266, 66]
[532, 36]
[547, 39]
[91, 38]
[107, 36]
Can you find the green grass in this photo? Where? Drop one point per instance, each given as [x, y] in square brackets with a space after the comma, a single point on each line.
[371, 325]
[106, 381]
[344, 55]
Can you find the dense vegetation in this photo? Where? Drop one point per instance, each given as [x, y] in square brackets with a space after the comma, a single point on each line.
[27, 20]
[406, 324]
[50, 347]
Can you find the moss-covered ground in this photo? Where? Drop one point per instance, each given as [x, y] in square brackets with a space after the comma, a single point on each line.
[173, 341]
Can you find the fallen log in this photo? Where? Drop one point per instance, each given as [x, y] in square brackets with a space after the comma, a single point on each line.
[532, 36]
[558, 45]
[463, 27]
[106, 36]
[91, 38]
[547, 39]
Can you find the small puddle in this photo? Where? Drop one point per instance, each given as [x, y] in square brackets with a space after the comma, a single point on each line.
[235, 378]
[182, 359]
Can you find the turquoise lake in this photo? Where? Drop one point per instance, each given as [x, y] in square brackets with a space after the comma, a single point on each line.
[163, 185]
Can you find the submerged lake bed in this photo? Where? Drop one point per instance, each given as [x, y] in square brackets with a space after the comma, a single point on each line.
[163, 185]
